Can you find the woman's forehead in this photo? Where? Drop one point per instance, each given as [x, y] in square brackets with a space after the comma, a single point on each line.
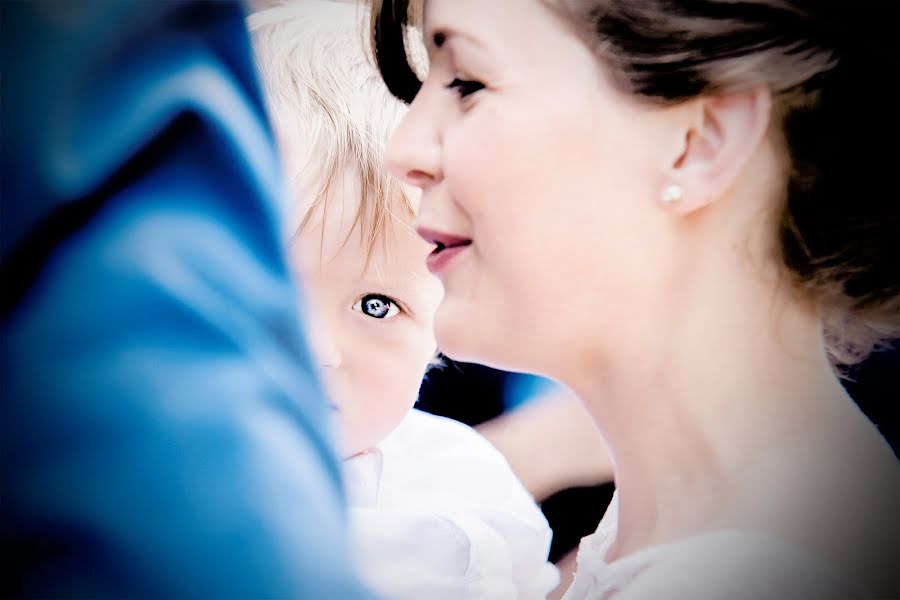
[497, 25]
[460, 17]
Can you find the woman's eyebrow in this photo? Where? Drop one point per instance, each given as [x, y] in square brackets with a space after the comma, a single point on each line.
[438, 37]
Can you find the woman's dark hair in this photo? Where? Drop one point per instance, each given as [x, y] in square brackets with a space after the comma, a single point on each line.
[833, 67]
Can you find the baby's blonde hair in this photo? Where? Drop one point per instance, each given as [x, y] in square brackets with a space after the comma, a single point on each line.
[329, 107]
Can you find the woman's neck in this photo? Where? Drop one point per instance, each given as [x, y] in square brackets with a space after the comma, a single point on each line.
[739, 377]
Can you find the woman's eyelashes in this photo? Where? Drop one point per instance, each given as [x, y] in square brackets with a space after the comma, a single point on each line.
[465, 87]
[377, 306]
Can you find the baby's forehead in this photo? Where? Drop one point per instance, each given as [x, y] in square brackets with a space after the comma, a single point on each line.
[346, 208]
[393, 252]
[335, 206]
[393, 266]
[351, 223]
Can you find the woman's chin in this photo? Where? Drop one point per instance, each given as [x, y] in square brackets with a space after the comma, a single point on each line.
[461, 338]
[457, 332]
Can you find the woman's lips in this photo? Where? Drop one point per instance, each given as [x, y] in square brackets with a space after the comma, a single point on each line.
[447, 247]
[438, 260]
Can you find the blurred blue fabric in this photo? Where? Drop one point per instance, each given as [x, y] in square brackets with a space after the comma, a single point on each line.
[164, 434]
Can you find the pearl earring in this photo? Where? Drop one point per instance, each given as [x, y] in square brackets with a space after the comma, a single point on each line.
[672, 194]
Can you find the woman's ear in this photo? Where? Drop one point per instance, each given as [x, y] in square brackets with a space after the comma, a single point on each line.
[719, 136]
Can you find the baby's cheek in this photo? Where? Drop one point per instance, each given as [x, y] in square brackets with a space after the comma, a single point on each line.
[381, 379]
[391, 386]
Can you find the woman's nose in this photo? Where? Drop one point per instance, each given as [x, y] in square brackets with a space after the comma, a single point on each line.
[413, 153]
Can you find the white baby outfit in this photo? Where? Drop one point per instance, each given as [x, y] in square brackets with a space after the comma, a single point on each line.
[436, 513]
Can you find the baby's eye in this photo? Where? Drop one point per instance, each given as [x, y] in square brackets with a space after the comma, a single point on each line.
[377, 306]
[465, 88]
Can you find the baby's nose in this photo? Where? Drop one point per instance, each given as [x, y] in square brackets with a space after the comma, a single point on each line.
[327, 354]
[325, 346]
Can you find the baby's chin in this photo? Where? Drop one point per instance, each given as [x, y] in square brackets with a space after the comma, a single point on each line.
[346, 453]
[361, 429]
[350, 446]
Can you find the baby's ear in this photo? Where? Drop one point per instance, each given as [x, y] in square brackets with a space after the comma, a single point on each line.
[719, 135]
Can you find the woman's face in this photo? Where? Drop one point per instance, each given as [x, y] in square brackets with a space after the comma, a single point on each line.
[539, 176]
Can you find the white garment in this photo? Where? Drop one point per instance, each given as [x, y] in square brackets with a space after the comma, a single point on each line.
[728, 564]
[437, 513]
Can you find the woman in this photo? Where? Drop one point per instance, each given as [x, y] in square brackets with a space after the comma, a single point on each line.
[672, 208]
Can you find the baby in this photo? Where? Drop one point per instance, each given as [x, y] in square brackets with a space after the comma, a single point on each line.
[435, 510]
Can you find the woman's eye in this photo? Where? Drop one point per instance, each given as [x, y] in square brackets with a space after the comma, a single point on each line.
[377, 306]
[465, 88]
